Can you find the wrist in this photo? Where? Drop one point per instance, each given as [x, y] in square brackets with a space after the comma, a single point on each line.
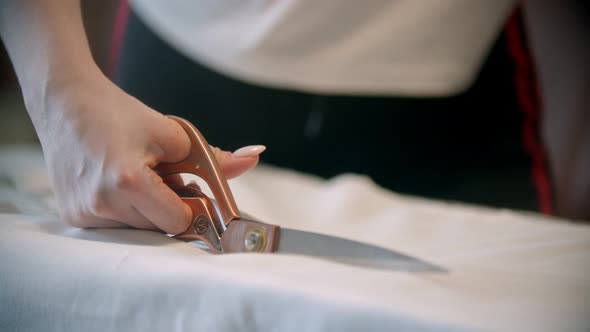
[57, 81]
[59, 98]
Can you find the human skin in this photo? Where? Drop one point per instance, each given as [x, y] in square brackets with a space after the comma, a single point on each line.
[100, 144]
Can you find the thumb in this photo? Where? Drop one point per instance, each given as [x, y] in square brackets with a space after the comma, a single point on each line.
[238, 162]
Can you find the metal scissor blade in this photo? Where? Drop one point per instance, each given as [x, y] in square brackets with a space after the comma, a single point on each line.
[349, 252]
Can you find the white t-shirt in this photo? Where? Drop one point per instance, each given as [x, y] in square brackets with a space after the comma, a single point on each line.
[372, 47]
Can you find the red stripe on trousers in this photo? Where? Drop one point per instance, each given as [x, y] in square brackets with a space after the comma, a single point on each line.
[117, 37]
[529, 102]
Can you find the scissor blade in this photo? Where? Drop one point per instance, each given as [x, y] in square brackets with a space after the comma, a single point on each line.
[349, 252]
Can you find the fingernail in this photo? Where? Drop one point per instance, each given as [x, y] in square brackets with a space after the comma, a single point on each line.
[249, 151]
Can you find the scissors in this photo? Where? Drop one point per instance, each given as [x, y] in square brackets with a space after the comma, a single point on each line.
[219, 224]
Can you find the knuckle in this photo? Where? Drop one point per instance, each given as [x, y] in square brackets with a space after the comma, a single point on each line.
[126, 178]
[155, 179]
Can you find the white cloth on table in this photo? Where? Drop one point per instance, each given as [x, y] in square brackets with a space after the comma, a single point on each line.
[506, 271]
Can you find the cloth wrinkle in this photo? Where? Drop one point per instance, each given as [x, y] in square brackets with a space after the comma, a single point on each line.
[507, 271]
[122, 260]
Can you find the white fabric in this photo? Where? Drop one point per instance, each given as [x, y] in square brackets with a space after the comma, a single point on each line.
[507, 271]
[399, 47]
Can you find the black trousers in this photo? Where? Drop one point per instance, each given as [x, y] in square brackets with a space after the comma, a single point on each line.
[465, 148]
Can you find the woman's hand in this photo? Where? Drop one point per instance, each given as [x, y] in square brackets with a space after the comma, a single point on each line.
[101, 146]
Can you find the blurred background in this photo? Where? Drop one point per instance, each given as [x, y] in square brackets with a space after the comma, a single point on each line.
[558, 34]
[15, 126]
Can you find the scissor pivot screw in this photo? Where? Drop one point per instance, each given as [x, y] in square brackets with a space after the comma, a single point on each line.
[254, 240]
[201, 225]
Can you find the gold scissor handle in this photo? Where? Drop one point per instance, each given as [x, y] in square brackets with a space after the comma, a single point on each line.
[205, 225]
[202, 163]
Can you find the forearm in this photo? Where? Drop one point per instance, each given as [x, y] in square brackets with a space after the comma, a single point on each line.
[47, 45]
